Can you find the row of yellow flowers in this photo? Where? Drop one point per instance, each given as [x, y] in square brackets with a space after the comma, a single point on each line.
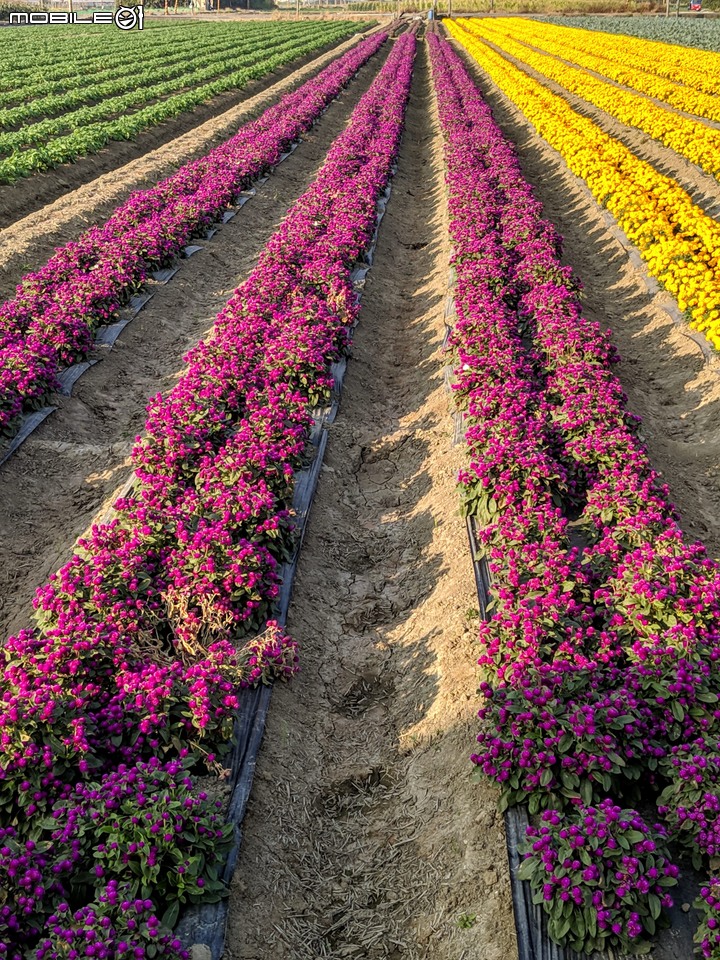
[603, 53]
[690, 138]
[699, 69]
[680, 244]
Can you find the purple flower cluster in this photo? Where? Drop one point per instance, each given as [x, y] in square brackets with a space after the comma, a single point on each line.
[51, 321]
[115, 926]
[144, 827]
[601, 650]
[32, 876]
[141, 638]
[708, 932]
[690, 803]
[601, 873]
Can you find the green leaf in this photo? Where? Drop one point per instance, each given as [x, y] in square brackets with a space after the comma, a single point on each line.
[170, 917]
[590, 915]
[655, 905]
[635, 836]
[527, 869]
[677, 711]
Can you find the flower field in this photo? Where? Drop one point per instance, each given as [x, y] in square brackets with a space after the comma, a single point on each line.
[148, 667]
[51, 322]
[139, 636]
[677, 239]
[689, 138]
[600, 655]
[681, 78]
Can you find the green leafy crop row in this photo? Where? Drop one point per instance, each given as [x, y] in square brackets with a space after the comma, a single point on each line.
[65, 138]
[22, 84]
[152, 85]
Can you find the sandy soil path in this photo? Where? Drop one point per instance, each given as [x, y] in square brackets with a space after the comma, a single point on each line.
[71, 467]
[365, 837]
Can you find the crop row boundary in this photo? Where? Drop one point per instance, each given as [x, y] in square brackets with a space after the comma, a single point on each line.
[204, 925]
[533, 941]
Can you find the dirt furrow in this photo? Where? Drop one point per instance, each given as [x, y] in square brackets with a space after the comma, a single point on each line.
[72, 466]
[365, 837]
[668, 381]
[58, 205]
[702, 187]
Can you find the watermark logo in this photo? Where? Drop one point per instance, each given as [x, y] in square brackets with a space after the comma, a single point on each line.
[124, 18]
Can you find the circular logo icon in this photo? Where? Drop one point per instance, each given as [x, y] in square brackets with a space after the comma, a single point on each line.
[126, 17]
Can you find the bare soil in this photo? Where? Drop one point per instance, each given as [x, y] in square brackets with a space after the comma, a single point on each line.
[669, 382]
[69, 470]
[365, 837]
[42, 212]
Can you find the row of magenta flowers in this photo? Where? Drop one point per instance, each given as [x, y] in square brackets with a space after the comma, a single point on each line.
[131, 676]
[601, 648]
[52, 320]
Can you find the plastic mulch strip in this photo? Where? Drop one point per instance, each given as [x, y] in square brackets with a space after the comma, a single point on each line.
[205, 924]
[29, 423]
[69, 376]
[107, 335]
